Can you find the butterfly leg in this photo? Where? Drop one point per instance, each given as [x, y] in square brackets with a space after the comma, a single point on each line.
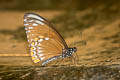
[59, 62]
[70, 60]
[77, 58]
[74, 60]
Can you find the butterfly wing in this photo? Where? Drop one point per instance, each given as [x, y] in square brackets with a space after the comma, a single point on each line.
[44, 40]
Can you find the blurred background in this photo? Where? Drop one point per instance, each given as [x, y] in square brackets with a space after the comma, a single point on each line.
[93, 26]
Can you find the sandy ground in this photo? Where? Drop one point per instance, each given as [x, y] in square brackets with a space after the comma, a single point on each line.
[102, 48]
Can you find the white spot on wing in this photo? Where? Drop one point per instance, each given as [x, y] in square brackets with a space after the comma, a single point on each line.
[34, 24]
[35, 56]
[28, 31]
[25, 28]
[25, 20]
[40, 40]
[30, 21]
[39, 22]
[35, 43]
[35, 16]
[39, 47]
[42, 58]
[34, 48]
[39, 51]
[40, 55]
[30, 27]
[46, 38]
[27, 36]
[26, 24]
[34, 52]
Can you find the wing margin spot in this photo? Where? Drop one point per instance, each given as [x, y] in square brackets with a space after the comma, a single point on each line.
[34, 16]
[34, 24]
[39, 22]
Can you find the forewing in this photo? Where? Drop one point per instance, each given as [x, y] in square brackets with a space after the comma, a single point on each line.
[44, 41]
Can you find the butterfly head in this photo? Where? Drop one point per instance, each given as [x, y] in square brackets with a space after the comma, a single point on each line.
[69, 52]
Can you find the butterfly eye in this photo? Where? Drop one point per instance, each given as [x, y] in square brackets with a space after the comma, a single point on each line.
[75, 49]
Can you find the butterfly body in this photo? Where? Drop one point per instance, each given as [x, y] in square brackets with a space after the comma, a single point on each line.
[45, 43]
[65, 54]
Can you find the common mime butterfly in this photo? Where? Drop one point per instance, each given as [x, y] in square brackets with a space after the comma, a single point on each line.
[46, 44]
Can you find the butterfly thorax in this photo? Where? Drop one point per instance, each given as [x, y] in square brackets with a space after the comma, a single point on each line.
[68, 52]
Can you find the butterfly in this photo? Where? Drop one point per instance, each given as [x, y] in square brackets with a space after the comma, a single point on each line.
[45, 42]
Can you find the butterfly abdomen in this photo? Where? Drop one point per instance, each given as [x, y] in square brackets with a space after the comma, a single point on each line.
[51, 59]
